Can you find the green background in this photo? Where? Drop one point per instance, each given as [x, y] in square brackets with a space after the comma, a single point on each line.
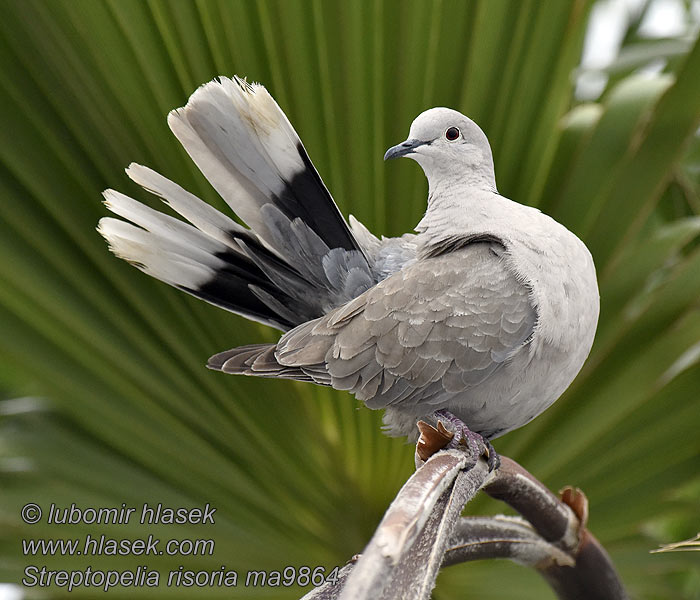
[102, 369]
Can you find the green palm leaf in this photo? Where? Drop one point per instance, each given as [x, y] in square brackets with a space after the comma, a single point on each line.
[298, 475]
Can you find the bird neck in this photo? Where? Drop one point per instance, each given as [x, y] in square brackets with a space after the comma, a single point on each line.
[464, 210]
[444, 180]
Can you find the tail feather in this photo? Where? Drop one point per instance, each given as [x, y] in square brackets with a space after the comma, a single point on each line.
[255, 359]
[236, 356]
[297, 260]
[202, 215]
[245, 146]
[223, 279]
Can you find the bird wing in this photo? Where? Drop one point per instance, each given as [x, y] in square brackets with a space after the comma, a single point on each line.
[436, 328]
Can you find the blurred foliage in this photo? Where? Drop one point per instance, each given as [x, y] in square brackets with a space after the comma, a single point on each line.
[116, 405]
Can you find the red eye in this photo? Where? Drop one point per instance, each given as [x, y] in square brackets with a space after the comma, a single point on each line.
[452, 134]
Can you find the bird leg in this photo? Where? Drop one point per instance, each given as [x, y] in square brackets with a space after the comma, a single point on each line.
[463, 436]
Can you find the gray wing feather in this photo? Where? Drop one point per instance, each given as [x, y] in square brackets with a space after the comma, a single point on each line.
[436, 328]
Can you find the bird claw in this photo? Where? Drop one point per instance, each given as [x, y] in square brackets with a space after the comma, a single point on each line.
[493, 459]
[432, 439]
[463, 436]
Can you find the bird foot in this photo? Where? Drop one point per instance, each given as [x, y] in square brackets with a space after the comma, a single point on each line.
[463, 436]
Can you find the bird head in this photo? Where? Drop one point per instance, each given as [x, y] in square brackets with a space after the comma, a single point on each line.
[449, 147]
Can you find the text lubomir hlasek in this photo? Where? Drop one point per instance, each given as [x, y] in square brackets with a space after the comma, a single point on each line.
[147, 515]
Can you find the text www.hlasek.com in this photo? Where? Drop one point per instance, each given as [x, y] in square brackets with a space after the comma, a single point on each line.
[106, 546]
[99, 544]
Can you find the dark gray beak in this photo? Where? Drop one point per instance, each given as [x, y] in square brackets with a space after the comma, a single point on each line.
[403, 148]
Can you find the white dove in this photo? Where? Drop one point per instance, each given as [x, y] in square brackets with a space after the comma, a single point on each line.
[484, 316]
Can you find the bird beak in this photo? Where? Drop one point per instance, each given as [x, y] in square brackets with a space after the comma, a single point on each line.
[403, 148]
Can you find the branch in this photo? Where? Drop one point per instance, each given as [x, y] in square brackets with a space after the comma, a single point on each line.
[403, 558]
[479, 538]
[593, 577]
[562, 523]
[332, 589]
[551, 518]
[422, 531]
[476, 538]
[691, 545]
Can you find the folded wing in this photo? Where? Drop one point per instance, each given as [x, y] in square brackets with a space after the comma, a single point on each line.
[432, 330]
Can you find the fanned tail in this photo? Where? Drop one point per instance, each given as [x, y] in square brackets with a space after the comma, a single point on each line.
[297, 260]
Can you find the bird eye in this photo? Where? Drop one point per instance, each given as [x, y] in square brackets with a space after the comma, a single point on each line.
[452, 134]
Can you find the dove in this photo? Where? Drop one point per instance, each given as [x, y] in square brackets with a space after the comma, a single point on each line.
[482, 317]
